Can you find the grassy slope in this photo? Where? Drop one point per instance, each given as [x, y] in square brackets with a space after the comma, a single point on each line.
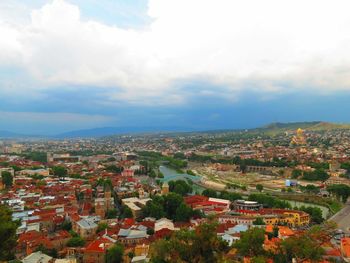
[276, 128]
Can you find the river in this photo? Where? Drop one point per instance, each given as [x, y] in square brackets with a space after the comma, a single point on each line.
[172, 175]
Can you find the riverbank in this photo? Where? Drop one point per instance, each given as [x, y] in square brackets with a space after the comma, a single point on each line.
[328, 206]
[334, 206]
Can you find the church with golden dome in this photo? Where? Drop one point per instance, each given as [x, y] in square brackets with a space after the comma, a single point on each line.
[299, 138]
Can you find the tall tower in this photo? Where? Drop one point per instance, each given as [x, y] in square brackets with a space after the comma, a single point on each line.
[100, 210]
[109, 201]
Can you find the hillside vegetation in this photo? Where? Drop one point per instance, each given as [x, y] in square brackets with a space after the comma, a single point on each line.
[279, 127]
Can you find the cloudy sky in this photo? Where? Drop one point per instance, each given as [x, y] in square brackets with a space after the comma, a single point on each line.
[192, 64]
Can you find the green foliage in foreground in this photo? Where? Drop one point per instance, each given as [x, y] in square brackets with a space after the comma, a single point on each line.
[8, 237]
[200, 245]
[251, 243]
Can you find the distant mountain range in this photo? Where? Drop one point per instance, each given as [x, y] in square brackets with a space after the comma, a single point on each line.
[272, 128]
[8, 134]
[108, 131]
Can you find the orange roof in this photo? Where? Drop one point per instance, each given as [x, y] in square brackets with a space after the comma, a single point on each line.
[285, 231]
[269, 228]
[99, 245]
[345, 246]
[334, 252]
[282, 230]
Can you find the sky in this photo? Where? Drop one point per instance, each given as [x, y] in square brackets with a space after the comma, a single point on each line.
[192, 64]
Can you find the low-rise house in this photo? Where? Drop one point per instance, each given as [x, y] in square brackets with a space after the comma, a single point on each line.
[86, 228]
[95, 251]
[132, 236]
[28, 172]
[164, 223]
[38, 257]
[135, 204]
[140, 259]
[208, 205]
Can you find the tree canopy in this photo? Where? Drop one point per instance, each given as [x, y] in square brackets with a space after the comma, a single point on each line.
[200, 245]
[7, 179]
[8, 237]
[76, 241]
[115, 254]
[180, 187]
[171, 206]
[251, 242]
[342, 191]
[308, 245]
[59, 171]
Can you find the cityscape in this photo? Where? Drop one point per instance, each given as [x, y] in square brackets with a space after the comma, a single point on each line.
[151, 197]
[174, 131]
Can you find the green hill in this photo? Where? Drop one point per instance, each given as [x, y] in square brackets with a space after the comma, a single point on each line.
[278, 127]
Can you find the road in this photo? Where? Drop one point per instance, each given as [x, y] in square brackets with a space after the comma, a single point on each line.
[342, 218]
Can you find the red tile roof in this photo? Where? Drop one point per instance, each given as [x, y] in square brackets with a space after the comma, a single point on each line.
[99, 245]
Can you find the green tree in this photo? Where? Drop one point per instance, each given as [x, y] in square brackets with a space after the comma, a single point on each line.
[37, 156]
[126, 212]
[101, 227]
[258, 221]
[308, 245]
[153, 174]
[111, 213]
[51, 252]
[7, 179]
[229, 196]
[200, 245]
[342, 191]
[76, 242]
[251, 243]
[114, 169]
[259, 187]
[171, 206]
[269, 201]
[316, 175]
[314, 212]
[115, 254]
[210, 193]
[275, 231]
[258, 259]
[296, 173]
[183, 213]
[8, 237]
[150, 231]
[153, 209]
[59, 171]
[66, 225]
[180, 187]
[172, 202]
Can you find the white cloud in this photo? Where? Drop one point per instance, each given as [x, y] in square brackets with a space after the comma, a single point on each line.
[226, 42]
